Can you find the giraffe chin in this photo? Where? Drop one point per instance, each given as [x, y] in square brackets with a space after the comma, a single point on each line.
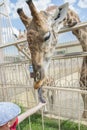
[39, 84]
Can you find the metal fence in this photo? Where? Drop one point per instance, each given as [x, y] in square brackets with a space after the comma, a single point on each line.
[62, 93]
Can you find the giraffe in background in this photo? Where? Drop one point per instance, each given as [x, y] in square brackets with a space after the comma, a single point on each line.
[81, 34]
[71, 20]
[42, 39]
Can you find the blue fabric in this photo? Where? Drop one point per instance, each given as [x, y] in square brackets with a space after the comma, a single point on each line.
[8, 111]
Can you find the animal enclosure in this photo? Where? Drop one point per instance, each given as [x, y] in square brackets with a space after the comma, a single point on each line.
[63, 91]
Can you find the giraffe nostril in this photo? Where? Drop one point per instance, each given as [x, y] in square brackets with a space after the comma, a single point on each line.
[38, 76]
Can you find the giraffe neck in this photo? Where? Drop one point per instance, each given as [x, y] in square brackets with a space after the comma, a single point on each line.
[81, 35]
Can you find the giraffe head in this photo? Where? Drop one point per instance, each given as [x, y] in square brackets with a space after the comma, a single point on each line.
[71, 19]
[41, 37]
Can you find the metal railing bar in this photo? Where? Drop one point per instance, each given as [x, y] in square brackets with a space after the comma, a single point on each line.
[68, 44]
[13, 43]
[55, 88]
[62, 56]
[70, 55]
[78, 26]
[66, 89]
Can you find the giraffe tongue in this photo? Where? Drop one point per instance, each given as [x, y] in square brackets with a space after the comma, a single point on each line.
[40, 95]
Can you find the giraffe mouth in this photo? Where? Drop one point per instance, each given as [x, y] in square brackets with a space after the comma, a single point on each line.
[39, 83]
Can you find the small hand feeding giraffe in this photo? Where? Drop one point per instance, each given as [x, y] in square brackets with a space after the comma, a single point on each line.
[42, 39]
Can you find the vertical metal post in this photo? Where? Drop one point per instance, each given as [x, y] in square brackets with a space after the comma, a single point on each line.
[78, 111]
[42, 119]
[59, 111]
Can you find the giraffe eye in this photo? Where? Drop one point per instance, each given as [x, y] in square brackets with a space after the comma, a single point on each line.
[47, 36]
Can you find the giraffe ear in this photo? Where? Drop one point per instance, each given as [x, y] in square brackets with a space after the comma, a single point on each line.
[59, 16]
[60, 13]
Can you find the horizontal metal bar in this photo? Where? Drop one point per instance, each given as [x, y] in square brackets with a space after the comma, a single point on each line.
[16, 62]
[62, 56]
[78, 26]
[70, 55]
[51, 88]
[13, 43]
[67, 45]
[10, 84]
[66, 89]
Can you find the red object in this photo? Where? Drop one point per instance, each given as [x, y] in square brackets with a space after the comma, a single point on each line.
[13, 127]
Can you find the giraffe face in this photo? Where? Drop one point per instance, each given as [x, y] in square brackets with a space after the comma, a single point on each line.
[71, 19]
[41, 38]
